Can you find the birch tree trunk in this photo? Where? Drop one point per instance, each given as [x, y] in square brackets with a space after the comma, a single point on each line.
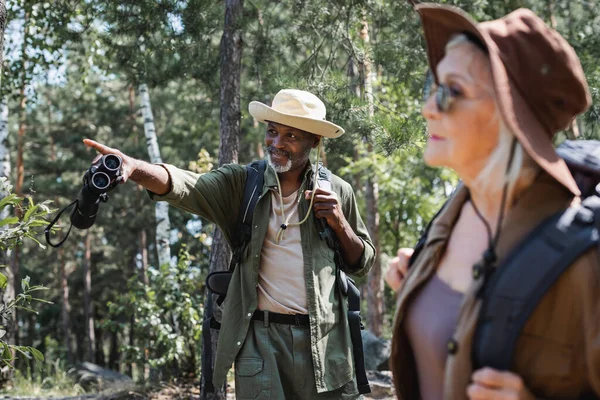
[9, 292]
[87, 300]
[4, 149]
[65, 319]
[230, 120]
[375, 279]
[2, 26]
[163, 225]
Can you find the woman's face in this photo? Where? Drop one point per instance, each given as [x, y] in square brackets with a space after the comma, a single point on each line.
[464, 136]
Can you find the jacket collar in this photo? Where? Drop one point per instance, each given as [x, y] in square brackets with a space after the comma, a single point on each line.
[539, 201]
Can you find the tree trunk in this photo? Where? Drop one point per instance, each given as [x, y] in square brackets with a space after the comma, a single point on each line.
[65, 307]
[100, 358]
[4, 149]
[15, 261]
[62, 273]
[375, 280]
[163, 225]
[113, 356]
[230, 120]
[87, 300]
[9, 292]
[2, 26]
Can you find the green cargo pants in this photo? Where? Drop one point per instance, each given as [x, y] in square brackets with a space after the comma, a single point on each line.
[275, 362]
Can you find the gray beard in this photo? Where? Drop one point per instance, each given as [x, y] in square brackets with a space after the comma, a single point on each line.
[280, 168]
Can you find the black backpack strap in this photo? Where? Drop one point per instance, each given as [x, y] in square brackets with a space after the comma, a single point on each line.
[217, 282]
[514, 290]
[348, 288]
[252, 191]
[355, 325]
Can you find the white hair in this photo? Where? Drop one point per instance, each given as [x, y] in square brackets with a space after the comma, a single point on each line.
[496, 173]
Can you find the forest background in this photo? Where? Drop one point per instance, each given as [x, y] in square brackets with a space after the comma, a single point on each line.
[171, 80]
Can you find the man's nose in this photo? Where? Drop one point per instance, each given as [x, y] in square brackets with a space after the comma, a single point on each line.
[277, 142]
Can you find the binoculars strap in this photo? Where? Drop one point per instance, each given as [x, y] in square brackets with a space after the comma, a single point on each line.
[51, 224]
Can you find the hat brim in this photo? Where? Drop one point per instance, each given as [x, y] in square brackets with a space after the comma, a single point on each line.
[440, 23]
[263, 113]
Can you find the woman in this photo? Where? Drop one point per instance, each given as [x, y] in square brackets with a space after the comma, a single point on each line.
[504, 88]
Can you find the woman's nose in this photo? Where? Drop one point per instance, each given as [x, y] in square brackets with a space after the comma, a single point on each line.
[430, 109]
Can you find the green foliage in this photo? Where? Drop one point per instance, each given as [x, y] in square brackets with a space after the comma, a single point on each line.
[12, 232]
[56, 380]
[14, 229]
[168, 316]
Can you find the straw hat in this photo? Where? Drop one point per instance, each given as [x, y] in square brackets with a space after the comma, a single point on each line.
[538, 80]
[298, 109]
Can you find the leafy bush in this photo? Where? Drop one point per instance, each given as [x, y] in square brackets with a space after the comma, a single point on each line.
[13, 230]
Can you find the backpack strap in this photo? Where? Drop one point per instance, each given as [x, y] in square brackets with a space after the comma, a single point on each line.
[514, 290]
[218, 282]
[348, 288]
[252, 191]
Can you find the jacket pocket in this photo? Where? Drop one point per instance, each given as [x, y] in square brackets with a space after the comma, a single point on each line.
[248, 377]
[326, 251]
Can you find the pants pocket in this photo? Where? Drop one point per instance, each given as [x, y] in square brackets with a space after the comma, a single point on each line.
[248, 377]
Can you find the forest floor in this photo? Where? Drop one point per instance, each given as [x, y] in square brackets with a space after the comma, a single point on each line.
[190, 390]
[165, 392]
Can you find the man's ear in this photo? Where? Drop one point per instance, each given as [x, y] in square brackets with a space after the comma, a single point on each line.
[317, 140]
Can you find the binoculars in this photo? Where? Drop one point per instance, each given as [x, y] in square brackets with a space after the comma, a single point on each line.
[104, 174]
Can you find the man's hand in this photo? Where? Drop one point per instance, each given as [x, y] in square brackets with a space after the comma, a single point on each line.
[129, 164]
[153, 177]
[490, 384]
[326, 206]
[398, 268]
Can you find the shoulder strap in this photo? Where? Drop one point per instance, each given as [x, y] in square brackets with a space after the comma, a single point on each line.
[252, 192]
[348, 289]
[514, 290]
[324, 177]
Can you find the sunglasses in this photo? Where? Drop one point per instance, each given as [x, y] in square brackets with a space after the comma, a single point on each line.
[444, 95]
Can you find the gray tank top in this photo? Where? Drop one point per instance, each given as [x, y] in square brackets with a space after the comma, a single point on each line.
[430, 322]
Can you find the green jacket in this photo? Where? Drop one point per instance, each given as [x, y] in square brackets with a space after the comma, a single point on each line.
[217, 196]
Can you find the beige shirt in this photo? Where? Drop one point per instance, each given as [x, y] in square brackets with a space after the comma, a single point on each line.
[281, 283]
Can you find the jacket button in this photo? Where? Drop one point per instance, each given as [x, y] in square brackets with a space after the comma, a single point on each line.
[452, 346]
[239, 343]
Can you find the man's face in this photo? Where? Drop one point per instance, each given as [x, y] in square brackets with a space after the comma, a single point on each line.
[288, 148]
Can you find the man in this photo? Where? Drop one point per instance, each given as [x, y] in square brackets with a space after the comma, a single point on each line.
[284, 319]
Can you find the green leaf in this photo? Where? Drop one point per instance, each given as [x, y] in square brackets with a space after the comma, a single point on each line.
[10, 199]
[23, 350]
[9, 221]
[6, 353]
[3, 281]
[36, 354]
[30, 210]
[25, 283]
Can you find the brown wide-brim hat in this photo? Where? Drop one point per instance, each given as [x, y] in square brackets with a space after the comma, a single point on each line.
[538, 80]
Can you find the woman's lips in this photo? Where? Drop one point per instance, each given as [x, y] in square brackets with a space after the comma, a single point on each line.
[435, 137]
